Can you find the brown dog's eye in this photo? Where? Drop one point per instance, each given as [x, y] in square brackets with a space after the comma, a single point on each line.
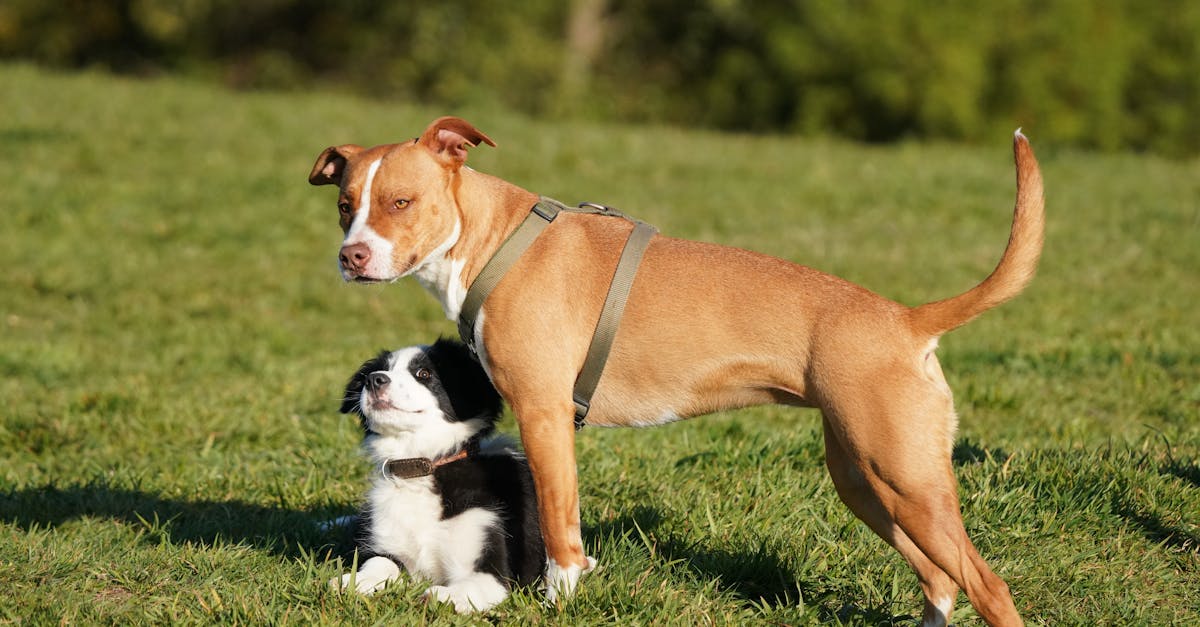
[423, 374]
[344, 208]
[401, 203]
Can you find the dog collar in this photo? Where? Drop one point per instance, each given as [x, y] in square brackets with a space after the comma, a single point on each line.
[540, 216]
[415, 467]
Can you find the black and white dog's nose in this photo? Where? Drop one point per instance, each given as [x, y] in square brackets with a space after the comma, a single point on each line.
[377, 380]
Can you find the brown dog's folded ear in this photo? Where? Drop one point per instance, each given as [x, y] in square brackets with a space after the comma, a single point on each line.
[449, 137]
[331, 164]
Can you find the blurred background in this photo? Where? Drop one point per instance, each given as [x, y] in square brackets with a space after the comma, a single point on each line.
[1112, 75]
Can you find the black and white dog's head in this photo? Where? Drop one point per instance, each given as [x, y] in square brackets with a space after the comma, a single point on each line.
[431, 398]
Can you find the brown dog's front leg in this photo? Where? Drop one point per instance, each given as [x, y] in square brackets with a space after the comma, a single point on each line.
[549, 440]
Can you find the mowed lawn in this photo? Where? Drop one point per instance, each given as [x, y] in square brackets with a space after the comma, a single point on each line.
[174, 339]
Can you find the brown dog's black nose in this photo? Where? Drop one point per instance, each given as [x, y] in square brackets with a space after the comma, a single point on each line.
[354, 257]
[377, 380]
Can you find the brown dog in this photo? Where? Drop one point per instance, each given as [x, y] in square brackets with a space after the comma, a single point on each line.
[706, 328]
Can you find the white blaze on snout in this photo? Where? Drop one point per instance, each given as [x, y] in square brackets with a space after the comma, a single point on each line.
[380, 264]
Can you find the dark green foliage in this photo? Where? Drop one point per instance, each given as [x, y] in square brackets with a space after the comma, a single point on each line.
[1110, 75]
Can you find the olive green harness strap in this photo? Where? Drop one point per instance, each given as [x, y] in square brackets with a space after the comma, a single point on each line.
[540, 216]
[610, 318]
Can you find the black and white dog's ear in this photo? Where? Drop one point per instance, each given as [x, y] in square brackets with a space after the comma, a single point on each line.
[470, 391]
[354, 387]
[350, 398]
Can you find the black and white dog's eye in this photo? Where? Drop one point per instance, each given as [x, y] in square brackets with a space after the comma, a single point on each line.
[423, 374]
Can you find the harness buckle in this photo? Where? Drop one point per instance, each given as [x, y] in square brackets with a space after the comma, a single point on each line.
[599, 208]
[548, 216]
[582, 406]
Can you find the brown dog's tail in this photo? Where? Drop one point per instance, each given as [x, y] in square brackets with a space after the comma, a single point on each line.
[1016, 267]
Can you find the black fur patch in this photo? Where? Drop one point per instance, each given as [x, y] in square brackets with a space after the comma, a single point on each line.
[514, 552]
[459, 383]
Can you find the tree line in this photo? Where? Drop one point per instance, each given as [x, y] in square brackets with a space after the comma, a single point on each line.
[1119, 74]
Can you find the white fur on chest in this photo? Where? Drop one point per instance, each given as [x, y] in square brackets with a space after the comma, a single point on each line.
[441, 276]
[406, 523]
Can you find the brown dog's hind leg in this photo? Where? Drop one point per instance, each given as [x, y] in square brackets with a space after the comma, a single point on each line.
[933, 523]
[940, 590]
[897, 438]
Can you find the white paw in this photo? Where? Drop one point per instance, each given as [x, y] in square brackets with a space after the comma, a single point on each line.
[374, 575]
[561, 582]
[477, 593]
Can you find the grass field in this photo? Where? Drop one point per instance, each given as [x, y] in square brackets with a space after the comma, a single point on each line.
[174, 339]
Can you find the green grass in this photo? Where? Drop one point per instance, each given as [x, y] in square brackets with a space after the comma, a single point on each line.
[174, 339]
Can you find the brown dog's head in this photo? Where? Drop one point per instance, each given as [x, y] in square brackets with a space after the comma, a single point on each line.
[395, 202]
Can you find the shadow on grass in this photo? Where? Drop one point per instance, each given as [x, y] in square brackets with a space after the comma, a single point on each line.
[280, 530]
[1155, 528]
[1187, 470]
[758, 576]
[968, 452]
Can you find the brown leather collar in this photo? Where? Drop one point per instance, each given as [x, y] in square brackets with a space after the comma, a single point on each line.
[414, 467]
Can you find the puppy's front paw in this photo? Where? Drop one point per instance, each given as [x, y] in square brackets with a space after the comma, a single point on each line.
[356, 582]
[477, 593]
[445, 594]
[373, 576]
[561, 582]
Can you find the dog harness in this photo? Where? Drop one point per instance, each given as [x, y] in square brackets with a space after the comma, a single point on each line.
[540, 216]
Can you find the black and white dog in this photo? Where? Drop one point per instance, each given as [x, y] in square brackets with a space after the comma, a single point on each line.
[447, 502]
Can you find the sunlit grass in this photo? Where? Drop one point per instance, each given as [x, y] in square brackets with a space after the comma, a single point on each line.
[175, 338]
